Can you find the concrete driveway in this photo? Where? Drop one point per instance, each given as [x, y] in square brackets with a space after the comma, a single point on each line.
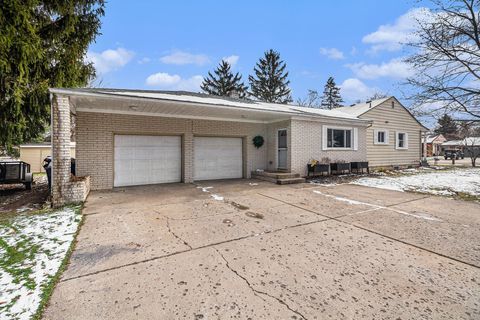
[252, 250]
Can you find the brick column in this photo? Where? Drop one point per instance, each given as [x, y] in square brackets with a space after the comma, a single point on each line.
[60, 117]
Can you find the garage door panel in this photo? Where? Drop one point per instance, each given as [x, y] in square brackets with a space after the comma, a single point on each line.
[217, 158]
[147, 160]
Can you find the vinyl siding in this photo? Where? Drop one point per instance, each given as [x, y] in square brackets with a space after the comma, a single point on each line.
[396, 119]
[35, 155]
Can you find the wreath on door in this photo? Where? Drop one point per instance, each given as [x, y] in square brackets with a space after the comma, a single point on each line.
[258, 141]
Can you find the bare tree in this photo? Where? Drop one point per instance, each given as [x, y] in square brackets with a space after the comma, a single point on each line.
[313, 100]
[470, 132]
[446, 58]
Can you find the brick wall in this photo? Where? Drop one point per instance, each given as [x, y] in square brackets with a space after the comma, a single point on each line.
[306, 144]
[77, 190]
[95, 132]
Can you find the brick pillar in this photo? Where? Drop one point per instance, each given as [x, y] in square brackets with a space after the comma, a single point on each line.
[187, 155]
[60, 113]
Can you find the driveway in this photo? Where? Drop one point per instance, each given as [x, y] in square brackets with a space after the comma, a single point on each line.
[248, 249]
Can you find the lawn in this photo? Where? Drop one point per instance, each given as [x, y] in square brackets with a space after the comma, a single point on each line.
[461, 183]
[33, 248]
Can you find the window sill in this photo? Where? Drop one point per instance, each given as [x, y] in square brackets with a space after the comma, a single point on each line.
[381, 143]
[339, 149]
[399, 148]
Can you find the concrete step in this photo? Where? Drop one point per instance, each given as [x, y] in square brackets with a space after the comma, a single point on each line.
[276, 175]
[264, 178]
[290, 180]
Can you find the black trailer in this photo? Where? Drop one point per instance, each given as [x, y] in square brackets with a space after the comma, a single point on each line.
[16, 172]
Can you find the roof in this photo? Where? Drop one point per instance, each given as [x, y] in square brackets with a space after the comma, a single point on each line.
[468, 141]
[361, 108]
[431, 137]
[201, 99]
[42, 145]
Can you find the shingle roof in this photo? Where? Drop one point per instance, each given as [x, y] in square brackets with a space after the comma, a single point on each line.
[360, 108]
[201, 98]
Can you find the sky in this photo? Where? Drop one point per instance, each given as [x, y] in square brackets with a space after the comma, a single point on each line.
[171, 45]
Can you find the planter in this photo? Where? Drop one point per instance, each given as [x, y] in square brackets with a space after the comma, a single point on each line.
[340, 167]
[359, 166]
[318, 169]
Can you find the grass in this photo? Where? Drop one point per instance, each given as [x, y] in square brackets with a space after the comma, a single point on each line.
[47, 290]
[18, 257]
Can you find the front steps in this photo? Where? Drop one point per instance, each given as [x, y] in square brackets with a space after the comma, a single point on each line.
[278, 177]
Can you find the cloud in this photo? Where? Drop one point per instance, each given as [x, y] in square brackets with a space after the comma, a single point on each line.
[109, 60]
[232, 60]
[391, 37]
[181, 58]
[353, 89]
[144, 60]
[395, 68]
[332, 53]
[167, 81]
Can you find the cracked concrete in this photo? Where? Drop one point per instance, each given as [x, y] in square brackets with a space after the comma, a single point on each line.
[268, 251]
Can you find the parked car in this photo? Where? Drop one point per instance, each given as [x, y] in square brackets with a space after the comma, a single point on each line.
[453, 154]
[16, 172]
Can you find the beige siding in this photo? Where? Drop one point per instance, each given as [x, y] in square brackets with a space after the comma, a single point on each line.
[394, 120]
[95, 133]
[306, 144]
[35, 155]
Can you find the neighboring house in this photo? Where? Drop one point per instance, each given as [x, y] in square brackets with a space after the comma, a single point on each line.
[432, 144]
[394, 138]
[134, 137]
[34, 153]
[452, 145]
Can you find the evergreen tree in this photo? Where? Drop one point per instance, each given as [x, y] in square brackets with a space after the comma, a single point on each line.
[331, 95]
[42, 44]
[447, 126]
[224, 82]
[270, 83]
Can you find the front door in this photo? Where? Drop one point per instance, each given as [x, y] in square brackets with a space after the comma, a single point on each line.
[282, 149]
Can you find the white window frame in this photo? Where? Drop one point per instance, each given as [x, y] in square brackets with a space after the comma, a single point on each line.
[397, 140]
[375, 136]
[353, 138]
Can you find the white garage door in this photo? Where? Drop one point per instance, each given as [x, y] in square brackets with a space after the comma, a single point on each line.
[147, 160]
[217, 158]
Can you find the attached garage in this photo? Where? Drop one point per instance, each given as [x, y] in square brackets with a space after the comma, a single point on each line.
[140, 160]
[218, 158]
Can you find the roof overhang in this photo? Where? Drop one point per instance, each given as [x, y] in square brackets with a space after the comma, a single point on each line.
[153, 104]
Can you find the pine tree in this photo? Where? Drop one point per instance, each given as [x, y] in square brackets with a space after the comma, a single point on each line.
[270, 83]
[224, 82]
[447, 126]
[331, 95]
[42, 44]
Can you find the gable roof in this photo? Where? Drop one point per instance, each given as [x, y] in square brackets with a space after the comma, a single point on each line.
[215, 102]
[432, 137]
[361, 108]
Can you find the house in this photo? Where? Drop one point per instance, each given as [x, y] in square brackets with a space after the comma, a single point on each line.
[394, 138]
[469, 145]
[136, 137]
[452, 145]
[432, 145]
[34, 153]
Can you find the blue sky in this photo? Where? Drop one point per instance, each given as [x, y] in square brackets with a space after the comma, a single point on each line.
[171, 45]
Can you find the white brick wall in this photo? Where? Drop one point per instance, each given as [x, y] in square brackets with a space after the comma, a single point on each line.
[306, 144]
[95, 133]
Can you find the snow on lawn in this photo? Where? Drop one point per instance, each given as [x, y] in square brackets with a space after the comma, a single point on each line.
[32, 248]
[438, 182]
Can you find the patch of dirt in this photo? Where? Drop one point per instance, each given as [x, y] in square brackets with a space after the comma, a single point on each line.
[14, 197]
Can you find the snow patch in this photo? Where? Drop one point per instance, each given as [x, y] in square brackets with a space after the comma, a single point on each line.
[217, 197]
[51, 235]
[442, 182]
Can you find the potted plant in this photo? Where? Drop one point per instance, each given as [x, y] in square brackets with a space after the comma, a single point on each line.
[315, 167]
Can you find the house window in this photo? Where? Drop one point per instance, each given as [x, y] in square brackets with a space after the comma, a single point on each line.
[402, 140]
[339, 138]
[380, 136]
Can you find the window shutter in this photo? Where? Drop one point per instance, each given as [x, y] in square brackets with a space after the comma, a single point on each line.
[375, 136]
[396, 140]
[387, 137]
[324, 137]
[355, 138]
[406, 140]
